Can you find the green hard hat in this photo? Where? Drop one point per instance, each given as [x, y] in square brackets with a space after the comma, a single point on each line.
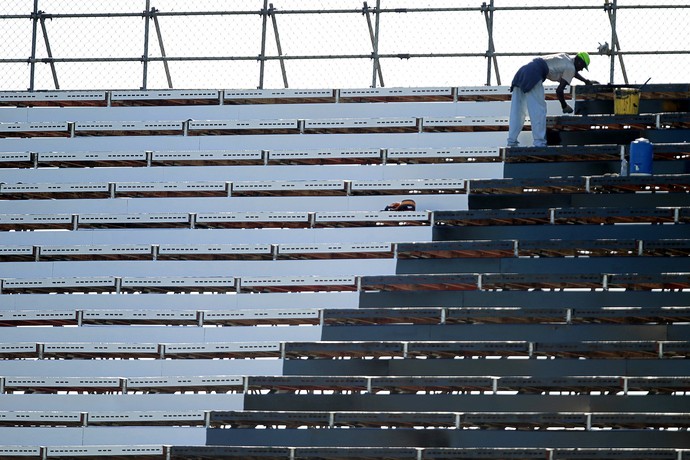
[585, 58]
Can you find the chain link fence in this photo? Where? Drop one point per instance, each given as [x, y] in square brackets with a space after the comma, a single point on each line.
[159, 44]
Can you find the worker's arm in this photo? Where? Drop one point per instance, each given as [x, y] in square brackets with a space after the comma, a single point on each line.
[560, 93]
[584, 80]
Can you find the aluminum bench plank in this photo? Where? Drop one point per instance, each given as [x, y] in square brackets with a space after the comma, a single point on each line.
[204, 157]
[325, 156]
[53, 98]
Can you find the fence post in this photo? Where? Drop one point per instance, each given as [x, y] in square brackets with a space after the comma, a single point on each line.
[611, 11]
[34, 36]
[491, 51]
[145, 57]
[611, 8]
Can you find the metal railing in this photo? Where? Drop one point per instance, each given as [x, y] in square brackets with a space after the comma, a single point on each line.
[82, 45]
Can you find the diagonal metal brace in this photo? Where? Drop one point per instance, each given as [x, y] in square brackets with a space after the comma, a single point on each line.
[610, 8]
[271, 13]
[154, 15]
[374, 44]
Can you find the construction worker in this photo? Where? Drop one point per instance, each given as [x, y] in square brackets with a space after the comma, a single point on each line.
[528, 92]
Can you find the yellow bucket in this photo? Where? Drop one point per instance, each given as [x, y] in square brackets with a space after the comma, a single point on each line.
[626, 101]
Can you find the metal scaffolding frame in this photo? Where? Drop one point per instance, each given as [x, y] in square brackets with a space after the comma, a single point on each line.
[371, 13]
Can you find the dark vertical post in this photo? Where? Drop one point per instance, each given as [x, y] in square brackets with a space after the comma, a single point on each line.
[611, 8]
[491, 50]
[146, 44]
[32, 60]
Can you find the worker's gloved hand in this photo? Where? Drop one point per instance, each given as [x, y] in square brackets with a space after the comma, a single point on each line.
[567, 109]
[592, 82]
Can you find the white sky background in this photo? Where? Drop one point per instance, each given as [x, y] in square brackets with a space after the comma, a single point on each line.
[531, 32]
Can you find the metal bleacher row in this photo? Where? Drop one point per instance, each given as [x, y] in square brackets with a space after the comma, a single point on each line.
[596, 184]
[277, 126]
[261, 219]
[208, 274]
[317, 126]
[248, 96]
[323, 350]
[258, 157]
[667, 151]
[464, 282]
[335, 316]
[576, 385]
[213, 452]
[447, 249]
[345, 419]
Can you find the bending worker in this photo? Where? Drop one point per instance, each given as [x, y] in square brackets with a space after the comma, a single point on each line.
[528, 92]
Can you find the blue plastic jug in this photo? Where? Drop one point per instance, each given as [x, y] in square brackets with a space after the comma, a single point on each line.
[641, 155]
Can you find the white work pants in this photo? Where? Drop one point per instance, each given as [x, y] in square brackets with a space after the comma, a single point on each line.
[521, 104]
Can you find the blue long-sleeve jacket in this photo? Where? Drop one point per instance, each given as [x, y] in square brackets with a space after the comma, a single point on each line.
[530, 74]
